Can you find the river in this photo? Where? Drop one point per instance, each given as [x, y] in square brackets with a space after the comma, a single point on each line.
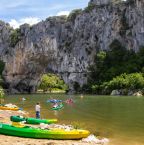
[121, 119]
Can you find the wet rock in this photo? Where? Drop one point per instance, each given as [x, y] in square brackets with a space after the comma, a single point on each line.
[115, 93]
[139, 94]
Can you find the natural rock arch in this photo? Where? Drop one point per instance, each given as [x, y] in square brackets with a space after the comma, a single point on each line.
[37, 49]
[67, 46]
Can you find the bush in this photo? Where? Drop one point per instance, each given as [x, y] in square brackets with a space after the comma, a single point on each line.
[15, 37]
[73, 14]
[89, 8]
[132, 81]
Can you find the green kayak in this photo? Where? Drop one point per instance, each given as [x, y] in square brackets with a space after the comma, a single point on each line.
[58, 107]
[30, 132]
[32, 120]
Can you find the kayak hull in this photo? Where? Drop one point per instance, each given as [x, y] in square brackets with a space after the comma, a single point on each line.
[29, 132]
[54, 101]
[32, 120]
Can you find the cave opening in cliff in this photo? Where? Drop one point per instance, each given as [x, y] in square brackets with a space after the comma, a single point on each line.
[52, 83]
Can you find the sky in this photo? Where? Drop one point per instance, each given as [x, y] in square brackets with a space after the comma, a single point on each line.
[17, 12]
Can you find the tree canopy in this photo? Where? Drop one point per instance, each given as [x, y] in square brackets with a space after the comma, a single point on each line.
[112, 63]
[50, 82]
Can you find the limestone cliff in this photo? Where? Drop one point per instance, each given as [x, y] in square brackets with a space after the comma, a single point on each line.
[66, 46]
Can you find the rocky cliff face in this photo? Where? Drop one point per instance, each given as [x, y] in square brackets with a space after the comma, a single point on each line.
[66, 46]
[100, 2]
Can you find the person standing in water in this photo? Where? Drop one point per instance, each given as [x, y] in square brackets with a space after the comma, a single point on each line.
[37, 109]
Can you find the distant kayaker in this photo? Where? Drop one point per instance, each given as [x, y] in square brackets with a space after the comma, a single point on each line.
[37, 109]
[69, 101]
[55, 105]
[23, 99]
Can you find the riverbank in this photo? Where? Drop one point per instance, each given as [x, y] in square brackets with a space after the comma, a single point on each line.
[10, 140]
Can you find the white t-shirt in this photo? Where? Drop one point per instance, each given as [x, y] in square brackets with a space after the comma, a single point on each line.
[37, 108]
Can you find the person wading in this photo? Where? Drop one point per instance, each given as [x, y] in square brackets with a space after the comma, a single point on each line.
[37, 109]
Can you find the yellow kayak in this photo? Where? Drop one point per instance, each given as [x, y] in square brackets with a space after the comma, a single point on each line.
[8, 108]
[71, 134]
[30, 132]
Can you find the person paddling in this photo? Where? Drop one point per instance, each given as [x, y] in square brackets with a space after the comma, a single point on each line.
[55, 105]
[37, 109]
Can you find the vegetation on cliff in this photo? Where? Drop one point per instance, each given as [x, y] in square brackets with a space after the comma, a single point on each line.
[15, 37]
[73, 14]
[1, 95]
[117, 68]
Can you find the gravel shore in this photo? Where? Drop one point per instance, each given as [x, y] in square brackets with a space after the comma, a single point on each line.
[10, 140]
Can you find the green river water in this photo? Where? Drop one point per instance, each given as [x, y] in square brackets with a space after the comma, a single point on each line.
[121, 119]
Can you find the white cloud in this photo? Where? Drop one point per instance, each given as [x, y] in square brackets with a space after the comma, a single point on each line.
[63, 13]
[29, 20]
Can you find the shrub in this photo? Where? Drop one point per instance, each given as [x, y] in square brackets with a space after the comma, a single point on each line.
[126, 81]
[15, 37]
[89, 8]
[73, 14]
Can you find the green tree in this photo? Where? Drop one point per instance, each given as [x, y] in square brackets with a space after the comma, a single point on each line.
[112, 63]
[97, 68]
[51, 81]
[117, 60]
[132, 81]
